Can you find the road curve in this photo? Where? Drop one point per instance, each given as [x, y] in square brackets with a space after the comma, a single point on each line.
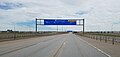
[65, 45]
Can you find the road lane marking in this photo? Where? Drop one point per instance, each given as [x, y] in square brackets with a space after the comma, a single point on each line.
[96, 48]
[59, 49]
[78, 47]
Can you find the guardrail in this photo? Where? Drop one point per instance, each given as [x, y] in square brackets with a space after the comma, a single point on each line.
[103, 38]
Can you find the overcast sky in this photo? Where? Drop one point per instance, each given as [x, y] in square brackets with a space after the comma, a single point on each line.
[102, 15]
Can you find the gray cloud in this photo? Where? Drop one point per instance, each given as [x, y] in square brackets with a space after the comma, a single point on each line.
[9, 5]
[97, 13]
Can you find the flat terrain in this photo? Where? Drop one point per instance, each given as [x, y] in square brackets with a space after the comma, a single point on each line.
[64, 45]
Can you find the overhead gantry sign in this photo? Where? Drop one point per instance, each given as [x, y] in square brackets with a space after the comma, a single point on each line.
[58, 21]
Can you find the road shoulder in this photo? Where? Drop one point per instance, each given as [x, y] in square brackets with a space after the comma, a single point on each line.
[112, 50]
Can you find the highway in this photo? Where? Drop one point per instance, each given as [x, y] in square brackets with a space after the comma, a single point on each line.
[64, 45]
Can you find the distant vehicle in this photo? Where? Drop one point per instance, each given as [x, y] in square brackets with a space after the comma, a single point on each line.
[69, 31]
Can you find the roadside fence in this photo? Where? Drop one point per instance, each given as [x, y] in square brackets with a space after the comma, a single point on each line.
[103, 38]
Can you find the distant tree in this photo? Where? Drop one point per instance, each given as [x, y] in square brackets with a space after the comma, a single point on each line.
[8, 30]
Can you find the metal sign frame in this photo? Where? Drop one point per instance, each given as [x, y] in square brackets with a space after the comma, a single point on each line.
[79, 19]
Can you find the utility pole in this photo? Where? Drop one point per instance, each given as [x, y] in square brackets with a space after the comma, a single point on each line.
[112, 28]
[14, 33]
[14, 27]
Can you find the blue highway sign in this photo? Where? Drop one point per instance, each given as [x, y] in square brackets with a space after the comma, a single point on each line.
[59, 22]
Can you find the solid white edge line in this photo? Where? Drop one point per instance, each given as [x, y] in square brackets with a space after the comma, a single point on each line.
[96, 48]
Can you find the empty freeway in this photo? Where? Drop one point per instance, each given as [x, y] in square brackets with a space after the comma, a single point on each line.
[64, 45]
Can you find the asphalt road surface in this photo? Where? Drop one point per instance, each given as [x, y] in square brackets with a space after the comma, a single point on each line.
[64, 45]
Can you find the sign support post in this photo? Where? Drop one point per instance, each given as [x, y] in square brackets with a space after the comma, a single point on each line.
[36, 25]
[83, 26]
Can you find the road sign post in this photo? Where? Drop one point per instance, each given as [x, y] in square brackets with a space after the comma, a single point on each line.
[83, 26]
[36, 25]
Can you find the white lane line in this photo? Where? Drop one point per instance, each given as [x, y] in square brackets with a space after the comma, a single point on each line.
[95, 47]
[59, 50]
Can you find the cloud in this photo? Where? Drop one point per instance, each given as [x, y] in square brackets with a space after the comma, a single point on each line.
[82, 13]
[8, 5]
[97, 13]
[117, 22]
[26, 23]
